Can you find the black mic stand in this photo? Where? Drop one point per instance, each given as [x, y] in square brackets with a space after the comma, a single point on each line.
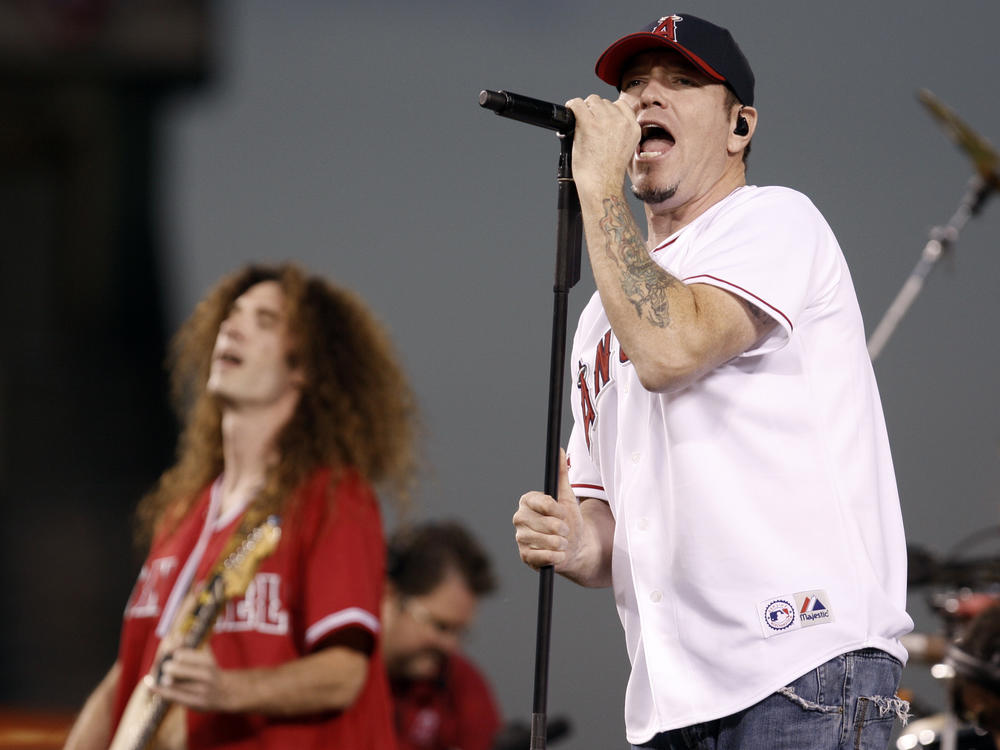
[569, 234]
[569, 240]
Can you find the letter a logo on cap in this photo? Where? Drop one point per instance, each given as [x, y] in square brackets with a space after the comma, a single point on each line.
[667, 26]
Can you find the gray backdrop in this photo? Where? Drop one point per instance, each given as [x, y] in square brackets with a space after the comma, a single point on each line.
[348, 136]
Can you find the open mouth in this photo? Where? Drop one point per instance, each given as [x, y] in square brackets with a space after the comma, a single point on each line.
[229, 358]
[654, 141]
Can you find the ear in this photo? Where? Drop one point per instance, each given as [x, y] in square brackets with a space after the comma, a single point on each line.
[390, 593]
[389, 605]
[738, 141]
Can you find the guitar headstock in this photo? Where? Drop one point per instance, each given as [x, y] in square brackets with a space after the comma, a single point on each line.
[241, 565]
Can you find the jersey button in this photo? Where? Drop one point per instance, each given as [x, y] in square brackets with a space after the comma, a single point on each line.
[656, 596]
[643, 524]
[636, 456]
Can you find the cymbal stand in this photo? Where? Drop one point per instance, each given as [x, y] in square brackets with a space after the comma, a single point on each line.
[942, 241]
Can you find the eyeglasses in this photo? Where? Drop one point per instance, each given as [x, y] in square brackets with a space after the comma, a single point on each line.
[425, 616]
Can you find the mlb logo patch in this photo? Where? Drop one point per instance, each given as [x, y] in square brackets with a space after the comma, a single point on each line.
[779, 615]
[788, 612]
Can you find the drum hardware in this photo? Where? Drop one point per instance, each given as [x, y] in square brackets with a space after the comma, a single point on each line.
[943, 239]
[960, 586]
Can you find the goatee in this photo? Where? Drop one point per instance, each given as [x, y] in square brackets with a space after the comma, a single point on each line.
[652, 195]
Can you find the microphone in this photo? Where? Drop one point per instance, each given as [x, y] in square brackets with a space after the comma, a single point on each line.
[532, 111]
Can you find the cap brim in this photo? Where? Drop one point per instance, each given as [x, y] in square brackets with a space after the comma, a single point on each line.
[610, 64]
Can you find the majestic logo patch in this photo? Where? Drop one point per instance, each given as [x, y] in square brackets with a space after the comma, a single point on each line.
[667, 26]
[788, 612]
[812, 608]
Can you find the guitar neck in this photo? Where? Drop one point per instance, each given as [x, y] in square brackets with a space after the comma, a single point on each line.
[210, 603]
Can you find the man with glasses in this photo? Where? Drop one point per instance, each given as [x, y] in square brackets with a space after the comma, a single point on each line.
[437, 573]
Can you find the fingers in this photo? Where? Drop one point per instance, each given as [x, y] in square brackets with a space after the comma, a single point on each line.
[565, 489]
[191, 678]
[538, 517]
[604, 142]
[186, 664]
[626, 108]
[541, 530]
[188, 694]
[597, 107]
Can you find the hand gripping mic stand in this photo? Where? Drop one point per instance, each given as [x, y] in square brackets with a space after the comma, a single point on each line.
[569, 235]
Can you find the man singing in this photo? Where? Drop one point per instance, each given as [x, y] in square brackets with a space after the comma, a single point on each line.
[729, 470]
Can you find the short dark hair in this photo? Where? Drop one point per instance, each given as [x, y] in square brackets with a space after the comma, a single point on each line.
[419, 558]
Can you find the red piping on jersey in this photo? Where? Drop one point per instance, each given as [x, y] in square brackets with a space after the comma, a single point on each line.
[737, 286]
[589, 486]
[668, 243]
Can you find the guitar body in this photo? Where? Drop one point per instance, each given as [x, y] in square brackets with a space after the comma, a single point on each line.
[150, 723]
[138, 728]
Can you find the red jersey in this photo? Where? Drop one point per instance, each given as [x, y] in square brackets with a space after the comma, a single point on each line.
[325, 575]
[454, 711]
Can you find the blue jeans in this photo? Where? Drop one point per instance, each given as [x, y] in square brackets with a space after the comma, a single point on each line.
[848, 703]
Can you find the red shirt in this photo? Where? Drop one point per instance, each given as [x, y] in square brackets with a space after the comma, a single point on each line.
[455, 711]
[325, 575]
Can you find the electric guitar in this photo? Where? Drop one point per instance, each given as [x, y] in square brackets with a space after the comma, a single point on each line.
[151, 721]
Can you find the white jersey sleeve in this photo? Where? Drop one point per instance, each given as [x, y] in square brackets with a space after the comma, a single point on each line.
[583, 475]
[770, 246]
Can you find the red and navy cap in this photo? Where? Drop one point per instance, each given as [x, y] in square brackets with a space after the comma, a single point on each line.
[710, 48]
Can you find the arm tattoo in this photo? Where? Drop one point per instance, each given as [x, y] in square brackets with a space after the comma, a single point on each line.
[645, 284]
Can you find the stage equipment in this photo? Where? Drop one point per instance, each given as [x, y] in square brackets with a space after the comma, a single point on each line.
[569, 240]
[943, 239]
[959, 585]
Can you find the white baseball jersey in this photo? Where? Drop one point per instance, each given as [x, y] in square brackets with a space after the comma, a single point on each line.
[757, 524]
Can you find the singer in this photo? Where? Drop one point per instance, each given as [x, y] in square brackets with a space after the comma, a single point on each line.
[729, 471]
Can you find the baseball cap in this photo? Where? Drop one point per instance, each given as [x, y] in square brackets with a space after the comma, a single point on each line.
[708, 47]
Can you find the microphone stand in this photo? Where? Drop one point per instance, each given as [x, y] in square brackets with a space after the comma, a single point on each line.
[569, 233]
[569, 240]
[942, 241]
